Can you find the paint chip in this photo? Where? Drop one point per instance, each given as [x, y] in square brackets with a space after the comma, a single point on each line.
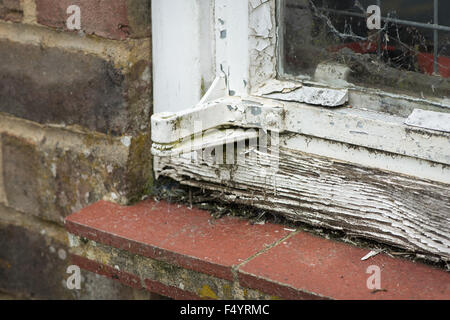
[126, 141]
[432, 120]
[370, 255]
[313, 95]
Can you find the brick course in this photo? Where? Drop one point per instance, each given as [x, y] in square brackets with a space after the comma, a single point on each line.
[53, 85]
[75, 113]
[11, 10]
[119, 19]
[50, 172]
[268, 259]
[34, 257]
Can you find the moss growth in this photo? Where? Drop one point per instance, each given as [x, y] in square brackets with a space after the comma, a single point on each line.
[207, 292]
[139, 168]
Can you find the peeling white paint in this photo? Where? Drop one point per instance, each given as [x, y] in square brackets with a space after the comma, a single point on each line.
[126, 141]
[310, 189]
[347, 125]
[262, 42]
[62, 254]
[313, 95]
[429, 120]
[169, 129]
[261, 20]
[73, 241]
[183, 50]
[244, 48]
[231, 18]
[362, 156]
[392, 208]
[277, 86]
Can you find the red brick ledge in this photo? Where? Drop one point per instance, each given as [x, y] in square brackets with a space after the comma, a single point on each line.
[268, 258]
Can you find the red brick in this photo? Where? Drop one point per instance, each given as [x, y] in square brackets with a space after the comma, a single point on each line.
[301, 267]
[118, 19]
[167, 232]
[169, 291]
[10, 10]
[306, 265]
[107, 271]
[132, 280]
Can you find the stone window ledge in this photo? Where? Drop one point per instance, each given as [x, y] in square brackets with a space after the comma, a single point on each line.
[184, 253]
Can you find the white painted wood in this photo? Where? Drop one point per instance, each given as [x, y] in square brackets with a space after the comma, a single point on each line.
[196, 41]
[182, 53]
[207, 43]
[212, 138]
[362, 171]
[169, 128]
[313, 95]
[392, 208]
[369, 158]
[370, 129]
[262, 42]
[429, 120]
[246, 43]
[231, 19]
[357, 155]
[217, 90]
[353, 126]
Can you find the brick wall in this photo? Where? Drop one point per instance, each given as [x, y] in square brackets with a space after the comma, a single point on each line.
[74, 129]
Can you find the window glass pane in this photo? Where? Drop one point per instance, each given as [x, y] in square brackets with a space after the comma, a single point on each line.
[399, 57]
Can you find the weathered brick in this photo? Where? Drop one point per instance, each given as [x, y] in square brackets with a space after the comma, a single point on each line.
[6, 296]
[52, 172]
[119, 19]
[152, 224]
[20, 165]
[2, 189]
[10, 10]
[180, 252]
[34, 257]
[53, 85]
[89, 103]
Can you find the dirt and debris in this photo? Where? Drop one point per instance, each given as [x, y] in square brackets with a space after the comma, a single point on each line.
[173, 192]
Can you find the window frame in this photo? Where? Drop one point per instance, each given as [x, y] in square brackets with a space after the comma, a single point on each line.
[247, 54]
[363, 94]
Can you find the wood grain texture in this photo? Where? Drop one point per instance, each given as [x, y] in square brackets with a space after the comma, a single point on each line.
[388, 207]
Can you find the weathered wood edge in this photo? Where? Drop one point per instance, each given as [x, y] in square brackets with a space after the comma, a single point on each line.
[392, 208]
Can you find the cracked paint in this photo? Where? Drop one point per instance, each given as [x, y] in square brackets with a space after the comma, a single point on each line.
[262, 40]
